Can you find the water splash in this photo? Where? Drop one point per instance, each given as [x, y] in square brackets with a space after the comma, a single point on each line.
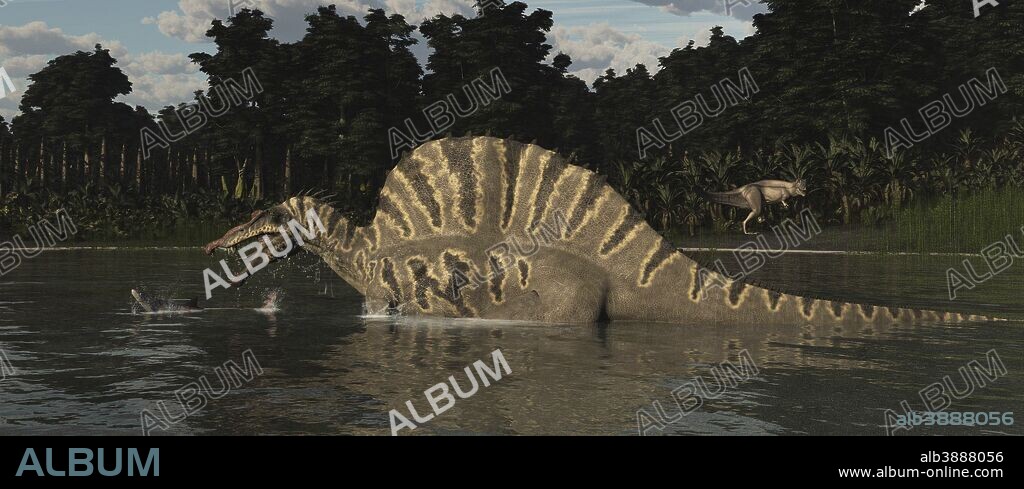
[385, 312]
[272, 302]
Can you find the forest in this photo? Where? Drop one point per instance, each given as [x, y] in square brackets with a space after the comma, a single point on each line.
[864, 100]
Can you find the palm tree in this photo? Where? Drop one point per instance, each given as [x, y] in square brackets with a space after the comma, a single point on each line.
[835, 160]
[966, 149]
[798, 163]
[762, 165]
[719, 173]
[864, 164]
[897, 172]
[627, 173]
[691, 207]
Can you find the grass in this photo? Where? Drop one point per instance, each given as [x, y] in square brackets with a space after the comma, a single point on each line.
[963, 224]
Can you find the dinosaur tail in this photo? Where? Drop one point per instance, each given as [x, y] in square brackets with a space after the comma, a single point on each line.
[705, 295]
[704, 194]
[714, 297]
[732, 197]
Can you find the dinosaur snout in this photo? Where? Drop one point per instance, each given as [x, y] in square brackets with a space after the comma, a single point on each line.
[219, 243]
[211, 246]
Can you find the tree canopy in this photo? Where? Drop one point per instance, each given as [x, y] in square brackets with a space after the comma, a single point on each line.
[832, 76]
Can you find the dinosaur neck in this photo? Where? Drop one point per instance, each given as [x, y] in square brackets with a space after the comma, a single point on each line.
[339, 242]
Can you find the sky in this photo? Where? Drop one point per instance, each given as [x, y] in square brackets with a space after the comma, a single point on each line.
[151, 39]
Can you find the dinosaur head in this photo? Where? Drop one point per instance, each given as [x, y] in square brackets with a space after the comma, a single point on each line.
[262, 223]
[299, 223]
[800, 188]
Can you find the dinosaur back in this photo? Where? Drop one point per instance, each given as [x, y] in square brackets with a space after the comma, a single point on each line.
[468, 196]
[473, 188]
[468, 187]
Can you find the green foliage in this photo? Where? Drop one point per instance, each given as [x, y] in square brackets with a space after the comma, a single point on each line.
[850, 181]
[109, 214]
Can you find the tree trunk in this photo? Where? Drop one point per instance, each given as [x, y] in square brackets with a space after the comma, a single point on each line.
[206, 168]
[351, 187]
[138, 170]
[103, 160]
[44, 164]
[195, 167]
[50, 164]
[17, 157]
[846, 209]
[64, 164]
[3, 151]
[124, 164]
[41, 169]
[240, 181]
[170, 169]
[27, 168]
[288, 172]
[87, 173]
[257, 177]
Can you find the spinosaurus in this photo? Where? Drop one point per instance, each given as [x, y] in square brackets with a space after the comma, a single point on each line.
[463, 229]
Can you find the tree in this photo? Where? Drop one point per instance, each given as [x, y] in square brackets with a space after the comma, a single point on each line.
[72, 99]
[503, 37]
[241, 133]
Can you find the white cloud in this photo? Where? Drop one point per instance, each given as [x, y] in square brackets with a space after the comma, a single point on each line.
[701, 36]
[159, 63]
[38, 38]
[18, 68]
[192, 19]
[157, 78]
[740, 9]
[596, 47]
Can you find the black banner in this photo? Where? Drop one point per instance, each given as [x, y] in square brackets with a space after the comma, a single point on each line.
[160, 460]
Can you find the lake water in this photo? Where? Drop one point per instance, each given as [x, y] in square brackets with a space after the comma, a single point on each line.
[84, 363]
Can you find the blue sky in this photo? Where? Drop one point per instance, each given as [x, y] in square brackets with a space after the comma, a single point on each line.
[151, 38]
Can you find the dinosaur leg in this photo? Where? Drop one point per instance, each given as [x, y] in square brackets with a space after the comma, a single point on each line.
[552, 287]
[562, 302]
[524, 307]
[569, 300]
[752, 216]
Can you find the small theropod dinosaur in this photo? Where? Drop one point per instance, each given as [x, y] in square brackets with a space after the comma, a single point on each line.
[753, 196]
[488, 228]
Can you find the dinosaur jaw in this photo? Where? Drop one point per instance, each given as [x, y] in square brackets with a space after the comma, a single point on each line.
[236, 240]
[286, 229]
[261, 229]
[236, 235]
